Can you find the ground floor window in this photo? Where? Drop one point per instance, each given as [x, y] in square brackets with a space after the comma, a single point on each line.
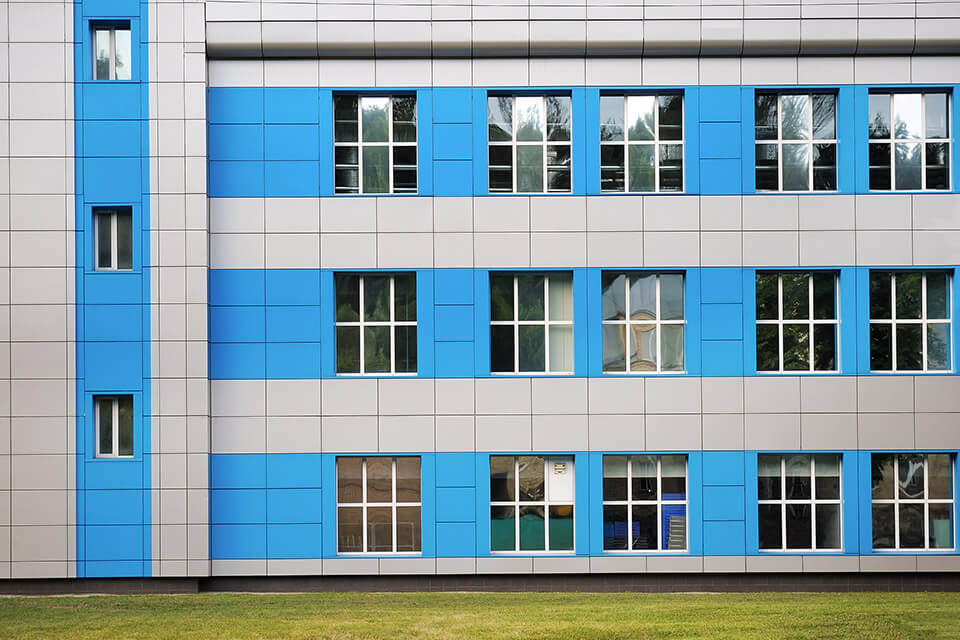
[912, 501]
[531, 503]
[645, 503]
[378, 504]
[799, 502]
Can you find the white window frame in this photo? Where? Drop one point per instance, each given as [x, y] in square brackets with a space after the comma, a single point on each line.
[392, 323]
[810, 143]
[926, 501]
[546, 503]
[923, 321]
[393, 504]
[112, 214]
[114, 427]
[923, 140]
[546, 323]
[630, 502]
[810, 322]
[656, 143]
[390, 144]
[513, 143]
[112, 30]
[626, 323]
[813, 501]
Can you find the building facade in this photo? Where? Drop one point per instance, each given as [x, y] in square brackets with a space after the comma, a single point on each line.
[349, 288]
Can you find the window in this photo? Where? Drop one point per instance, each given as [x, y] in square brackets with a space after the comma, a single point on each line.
[531, 323]
[645, 503]
[796, 142]
[799, 502]
[912, 501]
[111, 52]
[914, 152]
[910, 321]
[531, 503]
[113, 239]
[375, 144]
[797, 321]
[641, 143]
[376, 323]
[648, 338]
[378, 505]
[114, 418]
[529, 143]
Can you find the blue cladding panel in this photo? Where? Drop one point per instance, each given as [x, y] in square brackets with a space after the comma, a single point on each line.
[289, 506]
[237, 324]
[456, 540]
[291, 179]
[455, 359]
[454, 286]
[723, 538]
[455, 323]
[115, 569]
[455, 505]
[235, 142]
[452, 142]
[292, 287]
[235, 105]
[112, 322]
[291, 324]
[103, 101]
[293, 360]
[113, 506]
[294, 471]
[112, 138]
[292, 142]
[237, 361]
[238, 506]
[113, 542]
[235, 179]
[719, 140]
[721, 284]
[453, 177]
[723, 503]
[455, 470]
[112, 179]
[452, 104]
[292, 105]
[720, 104]
[238, 541]
[111, 366]
[722, 321]
[293, 541]
[238, 471]
[237, 287]
[723, 468]
[720, 177]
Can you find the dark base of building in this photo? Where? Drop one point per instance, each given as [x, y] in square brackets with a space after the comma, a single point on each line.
[639, 583]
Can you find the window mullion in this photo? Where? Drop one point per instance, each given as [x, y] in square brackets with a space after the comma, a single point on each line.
[115, 427]
[390, 146]
[813, 501]
[923, 320]
[363, 494]
[783, 503]
[780, 320]
[516, 497]
[896, 501]
[810, 319]
[546, 324]
[360, 147]
[393, 504]
[363, 364]
[393, 322]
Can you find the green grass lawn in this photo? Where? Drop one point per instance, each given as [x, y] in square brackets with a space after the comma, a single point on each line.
[475, 616]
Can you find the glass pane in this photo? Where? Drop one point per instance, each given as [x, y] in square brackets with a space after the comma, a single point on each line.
[125, 426]
[405, 349]
[644, 481]
[797, 485]
[941, 526]
[671, 117]
[408, 529]
[614, 478]
[614, 527]
[909, 347]
[123, 60]
[671, 347]
[376, 298]
[767, 296]
[936, 115]
[824, 117]
[938, 347]
[349, 480]
[643, 297]
[561, 297]
[611, 118]
[796, 347]
[768, 347]
[376, 349]
[502, 479]
[500, 118]
[766, 117]
[348, 297]
[673, 532]
[105, 419]
[644, 534]
[561, 528]
[101, 64]
[796, 117]
[796, 167]
[104, 240]
[881, 476]
[908, 163]
[828, 526]
[561, 349]
[796, 296]
[530, 469]
[408, 479]
[532, 525]
[880, 167]
[768, 163]
[879, 126]
[405, 119]
[529, 119]
[643, 347]
[501, 297]
[501, 167]
[379, 479]
[673, 477]
[911, 526]
[611, 168]
[906, 115]
[375, 115]
[380, 529]
[558, 118]
[530, 292]
[884, 532]
[348, 349]
[350, 529]
[770, 526]
[613, 297]
[503, 529]
[824, 296]
[530, 169]
[938, 165]
[124, 241]
[345, 118]
[501, 349]
[376, 170]
[880, 295]
[671, 296]
[824, 347]
[671, 167]
[910, 476]
[641, 170]
[405, 169]
[827, 476]
[799, 526]
[614, 348]
[768, 474]
[558, 167]
[405, 297]
[825, 167]
[940, 471]
[640, 117]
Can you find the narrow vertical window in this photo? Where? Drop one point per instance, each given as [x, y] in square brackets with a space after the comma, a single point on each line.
[645, 503]
[113, 239]
[529, 144]
[111, 52]
[796, 142]
[531, 323]
[531, 503]
[114, 426]
[375, 144]
[641, 143]
[797, 321]
[376, 322]
[378, 505]
[642, 322]
[909, 147]
[799, 502]
[912, 501]
[910, 320]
